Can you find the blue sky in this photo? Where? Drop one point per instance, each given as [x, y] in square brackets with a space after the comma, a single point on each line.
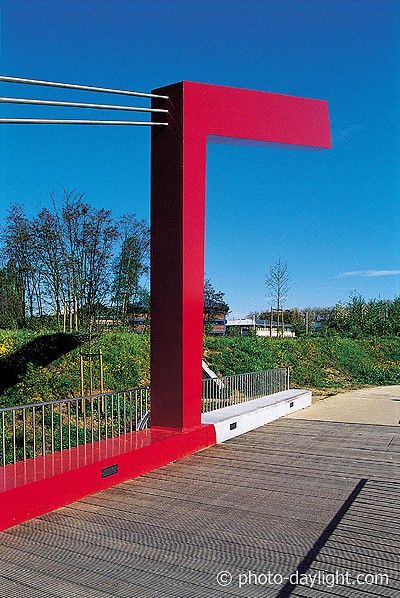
[333, 216]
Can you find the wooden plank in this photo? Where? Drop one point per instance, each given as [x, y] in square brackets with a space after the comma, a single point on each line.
[27, 577]
[259, 502]
[282, 539]
[14, 587]
[360, 563]
[297, 483]
[331, 592]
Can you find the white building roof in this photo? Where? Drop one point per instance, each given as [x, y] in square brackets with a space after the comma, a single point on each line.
[243, 322]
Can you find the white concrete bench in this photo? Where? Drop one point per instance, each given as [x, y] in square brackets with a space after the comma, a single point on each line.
[237, 419]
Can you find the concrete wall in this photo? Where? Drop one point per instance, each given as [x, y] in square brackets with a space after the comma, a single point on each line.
[238, 419]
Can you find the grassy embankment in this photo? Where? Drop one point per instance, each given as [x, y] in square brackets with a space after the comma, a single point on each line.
[325, 365]
[126, 364]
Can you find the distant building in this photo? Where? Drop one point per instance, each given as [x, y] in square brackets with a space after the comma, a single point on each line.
[218, 323]
[141, 323]
[261, 327]
[106, 323]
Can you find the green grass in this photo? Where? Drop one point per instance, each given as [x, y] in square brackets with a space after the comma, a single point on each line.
[126, 363]
[315, 362]
[322, 363]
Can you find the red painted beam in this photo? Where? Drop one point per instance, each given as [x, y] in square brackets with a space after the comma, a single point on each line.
[199, 113]
[31, 488]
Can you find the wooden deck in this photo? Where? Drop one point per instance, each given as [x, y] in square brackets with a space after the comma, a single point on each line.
[294, 495]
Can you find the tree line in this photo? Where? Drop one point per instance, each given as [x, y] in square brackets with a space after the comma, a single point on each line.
[72, 259]
[76, 261]
[73, 265]
[356, 318]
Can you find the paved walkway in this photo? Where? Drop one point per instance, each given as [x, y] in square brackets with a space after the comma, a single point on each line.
[380, 405]
[315, 500]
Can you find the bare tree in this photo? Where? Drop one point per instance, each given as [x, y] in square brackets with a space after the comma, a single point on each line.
[75, 245]
[87, 238]
[277, 283]
[65, 256]
[50, 243]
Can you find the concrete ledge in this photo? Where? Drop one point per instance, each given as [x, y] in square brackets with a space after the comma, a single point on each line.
[238, 419]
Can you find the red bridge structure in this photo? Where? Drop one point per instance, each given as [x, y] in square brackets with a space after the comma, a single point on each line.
[185, 117]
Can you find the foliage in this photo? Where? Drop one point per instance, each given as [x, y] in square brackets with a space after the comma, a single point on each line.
[214, 302]
[360, 318]
[357, 318]
[11, 297]
[315, 362]
[130, 266]
[20, 246]
[126, 359]
[60, 263]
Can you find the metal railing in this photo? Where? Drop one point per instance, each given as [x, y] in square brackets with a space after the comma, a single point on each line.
[239, 388]
[44, 428]
[38, 429]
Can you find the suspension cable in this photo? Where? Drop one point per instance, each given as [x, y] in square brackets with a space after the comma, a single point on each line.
[5, 79]
[52, 121]
[77, 105]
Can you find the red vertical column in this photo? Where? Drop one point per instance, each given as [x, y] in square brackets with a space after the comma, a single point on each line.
[199, 113]
[177, 256]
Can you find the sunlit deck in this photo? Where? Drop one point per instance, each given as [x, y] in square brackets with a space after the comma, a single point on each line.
[293, 495]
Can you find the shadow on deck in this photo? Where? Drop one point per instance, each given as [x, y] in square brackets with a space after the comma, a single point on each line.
[320, 498]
